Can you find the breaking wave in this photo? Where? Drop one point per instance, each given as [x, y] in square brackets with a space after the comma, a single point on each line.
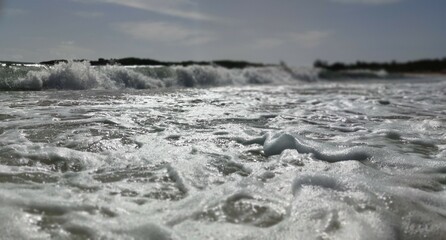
[82, 76]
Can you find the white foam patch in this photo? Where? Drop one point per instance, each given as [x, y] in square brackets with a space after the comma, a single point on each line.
[316, 161]
[275, 144]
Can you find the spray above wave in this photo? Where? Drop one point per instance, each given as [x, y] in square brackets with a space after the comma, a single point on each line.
[82, 76]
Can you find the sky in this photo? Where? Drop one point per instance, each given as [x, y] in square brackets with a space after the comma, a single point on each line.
[295, 31]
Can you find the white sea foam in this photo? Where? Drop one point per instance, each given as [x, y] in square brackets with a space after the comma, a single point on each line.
[81, 76]
[338, 160]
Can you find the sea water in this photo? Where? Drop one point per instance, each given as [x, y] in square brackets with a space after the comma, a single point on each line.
[209, 153]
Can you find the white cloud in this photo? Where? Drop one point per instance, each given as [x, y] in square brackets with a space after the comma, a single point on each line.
[268, 43]
[14, 57]
[88, 14]
[14, 12]
[372, 2]
[175, 8]
[16, 54]
[69, 50]
[165, 33]
[309, 39]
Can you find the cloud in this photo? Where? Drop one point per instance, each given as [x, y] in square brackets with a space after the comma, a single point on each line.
[163, 32]
[16, 54]
[371, 2]
[69, 49]
[174, 8]
[15, 57]
[88, 14]
[309, 39]
[12, 12]
[268, 42]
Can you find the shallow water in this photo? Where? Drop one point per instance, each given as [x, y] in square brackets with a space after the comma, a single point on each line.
[342, 160]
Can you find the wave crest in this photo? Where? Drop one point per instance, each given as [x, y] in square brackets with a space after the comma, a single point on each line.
[82, 76]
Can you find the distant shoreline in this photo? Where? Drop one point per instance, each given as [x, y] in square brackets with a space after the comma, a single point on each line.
[418, 68]
[147, 62]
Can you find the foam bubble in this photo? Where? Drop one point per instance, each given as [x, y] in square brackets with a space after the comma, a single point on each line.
[274, 144]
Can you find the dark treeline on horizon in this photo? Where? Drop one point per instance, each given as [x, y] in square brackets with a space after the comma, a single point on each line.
[418, 66]
[130, 61]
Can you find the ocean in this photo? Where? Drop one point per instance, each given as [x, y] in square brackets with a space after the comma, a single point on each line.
[203, 152]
